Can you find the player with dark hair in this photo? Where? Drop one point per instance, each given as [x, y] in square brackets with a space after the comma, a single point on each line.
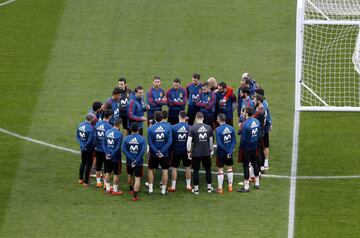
[180, 133]
[156, 98]
[207, 103]
[267, 128]
[193, 90]
[159, 139]
[226, 141]
[250, 133]
[112, 148]
[176, 101]
[225, 106]
[85, 138]
[136, 109]
[261, 116]
[165, 116]
[96, 110]
[244, 102]
[100, 128]
[114, 102]
[199, 146]
[134, 147]
[124, 102]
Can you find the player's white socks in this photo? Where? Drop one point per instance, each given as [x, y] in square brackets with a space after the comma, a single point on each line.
[220, 178]
[230, 176]
[257, 181]
[150, 188]
[246, 184]
[188, 182]
[98, 180]
[107, 186]
[173, 184]
[209, 186]
[163, 189]
[251, 171]
[115, 187]
[196, 187]
[266, 163]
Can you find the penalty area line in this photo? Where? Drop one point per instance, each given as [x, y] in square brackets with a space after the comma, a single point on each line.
[6, 3]
[62, 148]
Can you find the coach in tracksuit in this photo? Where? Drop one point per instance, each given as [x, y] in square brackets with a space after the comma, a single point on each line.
[85, 138]
[136, 109]
[113, 102]
[223, 104]
[159, 139]
[134, 147]
[207, 103]
[112, 147]
[250, 133]
[193, 93]
[176, 101]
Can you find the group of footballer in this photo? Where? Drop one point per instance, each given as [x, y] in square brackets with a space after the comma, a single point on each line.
[115, 127]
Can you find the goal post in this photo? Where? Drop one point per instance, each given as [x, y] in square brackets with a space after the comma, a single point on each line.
[327, 55]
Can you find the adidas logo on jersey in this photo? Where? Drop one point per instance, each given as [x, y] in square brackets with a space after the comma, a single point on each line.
[133, 141]
[253, 124]
[82, 128]
[159, 129]
[182, 129]
[111, 135]
[226, 131]
[202, 129]
[101, 127]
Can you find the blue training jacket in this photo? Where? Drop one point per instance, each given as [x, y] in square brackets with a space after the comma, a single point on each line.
[112, 144]
[134, 147]
[225, 139]
[85, 136]
[160, 138]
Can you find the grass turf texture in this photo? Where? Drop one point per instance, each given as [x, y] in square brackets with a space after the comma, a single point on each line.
[62, 55]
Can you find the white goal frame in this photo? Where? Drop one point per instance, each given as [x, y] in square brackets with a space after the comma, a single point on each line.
[299, 84]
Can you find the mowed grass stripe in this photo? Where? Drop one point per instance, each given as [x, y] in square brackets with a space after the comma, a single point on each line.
[90, 48]
[27, 33]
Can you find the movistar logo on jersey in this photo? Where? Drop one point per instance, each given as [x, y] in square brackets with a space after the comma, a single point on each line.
[159, 129]
[111, 135]
[253, 124]
[124, 101]
[202, 136]
[182, 129]
[227, 138]
[226, 131]
[195, 97]
[133, 141]
[182, 137]
[160, 136]
[134, 148]
[202, 129]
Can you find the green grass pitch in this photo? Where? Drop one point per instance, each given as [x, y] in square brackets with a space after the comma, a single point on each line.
[58, 56]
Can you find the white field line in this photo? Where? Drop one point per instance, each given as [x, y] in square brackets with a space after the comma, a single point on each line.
[291, 221]
[180, 169]
[6, 3]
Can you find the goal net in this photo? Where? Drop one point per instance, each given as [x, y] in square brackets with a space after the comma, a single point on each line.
[328, 55]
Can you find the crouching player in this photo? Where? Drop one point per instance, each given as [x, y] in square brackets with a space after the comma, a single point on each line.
[134, 147]
[226, 140]
[85, 137]
[179, 153]
[112, 148]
